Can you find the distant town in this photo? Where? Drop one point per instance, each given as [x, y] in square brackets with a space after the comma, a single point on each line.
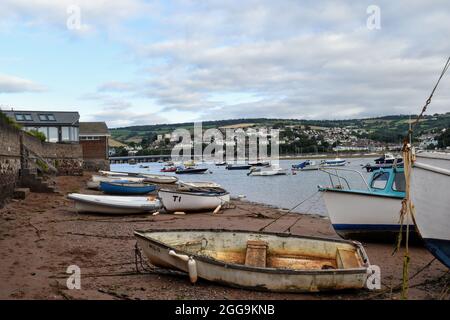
[299, 137]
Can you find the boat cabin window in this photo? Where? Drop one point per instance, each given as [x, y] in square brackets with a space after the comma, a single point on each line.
[380, 180]
[399, 182]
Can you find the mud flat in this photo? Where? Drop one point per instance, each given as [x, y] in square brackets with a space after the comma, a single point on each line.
[41, 236]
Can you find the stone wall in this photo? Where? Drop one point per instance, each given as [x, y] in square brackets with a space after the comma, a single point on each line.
[9, 160]
[67, 158]
[21, 151]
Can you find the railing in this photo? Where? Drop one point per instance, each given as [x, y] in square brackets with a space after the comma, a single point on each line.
[331, 174]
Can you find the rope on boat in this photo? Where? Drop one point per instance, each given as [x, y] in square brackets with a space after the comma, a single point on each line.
[407, 209]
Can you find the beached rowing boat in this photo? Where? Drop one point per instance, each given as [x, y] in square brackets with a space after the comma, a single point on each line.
[154, 178]
[259, 261]
[179, 200]
[126, 187]
[113, 204]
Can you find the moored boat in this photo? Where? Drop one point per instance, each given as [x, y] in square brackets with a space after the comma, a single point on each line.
[169, 169]
[267, 171]
[113, 204]
[190, 170]
[430, 184]
[126, 187]
[371, 213]
[337, 162]
[305, 165]
[180, 200]
[238, 166]
[257, 260]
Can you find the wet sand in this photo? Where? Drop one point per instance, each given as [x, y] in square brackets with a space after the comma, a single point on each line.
[42, 235]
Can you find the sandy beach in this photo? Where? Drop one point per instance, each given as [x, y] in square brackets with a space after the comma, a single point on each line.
[42, 235]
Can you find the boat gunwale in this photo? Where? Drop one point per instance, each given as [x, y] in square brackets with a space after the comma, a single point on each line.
[358, 246]
[361, 192]
[137, 185]
[432, 168]
[194, 193]
[115, 205]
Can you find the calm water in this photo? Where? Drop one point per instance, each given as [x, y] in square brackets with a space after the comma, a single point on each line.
[280, 191]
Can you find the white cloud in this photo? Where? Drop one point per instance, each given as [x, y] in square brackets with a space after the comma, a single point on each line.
[13, 84]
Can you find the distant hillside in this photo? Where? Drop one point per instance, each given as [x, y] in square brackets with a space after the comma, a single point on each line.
[386, 129]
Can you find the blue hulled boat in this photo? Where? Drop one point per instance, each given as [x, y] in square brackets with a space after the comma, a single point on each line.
[126, 187]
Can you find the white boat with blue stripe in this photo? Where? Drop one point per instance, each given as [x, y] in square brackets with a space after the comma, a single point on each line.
[372, 213]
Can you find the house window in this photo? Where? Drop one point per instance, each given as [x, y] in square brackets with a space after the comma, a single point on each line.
[65, 134]
[28, 117]
[53, 134]
[51, 117]
[20, 117]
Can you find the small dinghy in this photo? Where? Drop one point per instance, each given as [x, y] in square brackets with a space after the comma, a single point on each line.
[179, 200]
[94, 183]
[113, 204]
[190, 170]
[126, 187]
[257, 260]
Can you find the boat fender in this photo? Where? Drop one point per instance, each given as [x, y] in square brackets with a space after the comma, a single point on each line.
[191, 264]
[192, 268]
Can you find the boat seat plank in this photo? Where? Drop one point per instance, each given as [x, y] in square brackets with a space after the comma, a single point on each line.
[256, 254]
[347, 259]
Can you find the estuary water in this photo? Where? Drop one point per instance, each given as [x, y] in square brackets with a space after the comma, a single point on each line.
[284, 191]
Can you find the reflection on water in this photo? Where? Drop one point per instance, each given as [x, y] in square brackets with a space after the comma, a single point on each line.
[280, 191]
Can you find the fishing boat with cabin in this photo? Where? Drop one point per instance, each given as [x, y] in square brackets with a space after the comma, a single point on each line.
[369, 213]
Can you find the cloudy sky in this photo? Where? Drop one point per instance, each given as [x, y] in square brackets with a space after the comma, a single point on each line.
[131, 62]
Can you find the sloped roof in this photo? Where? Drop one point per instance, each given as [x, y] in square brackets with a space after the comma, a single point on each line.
[61, 117]
[93, 128]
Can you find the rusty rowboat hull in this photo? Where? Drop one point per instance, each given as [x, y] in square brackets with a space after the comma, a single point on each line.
[294, 263]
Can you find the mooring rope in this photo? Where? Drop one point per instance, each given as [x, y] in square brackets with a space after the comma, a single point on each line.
[289, 211]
